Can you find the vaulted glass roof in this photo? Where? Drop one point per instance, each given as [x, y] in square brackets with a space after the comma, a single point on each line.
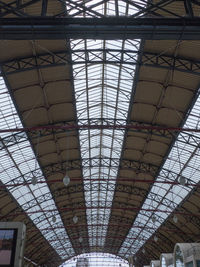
[103, 91]
[95, 260]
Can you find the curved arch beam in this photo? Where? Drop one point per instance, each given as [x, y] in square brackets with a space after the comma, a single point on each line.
[61, 58]
[21, 137]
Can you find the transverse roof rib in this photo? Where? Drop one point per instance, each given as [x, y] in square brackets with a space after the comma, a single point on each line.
[119, 204]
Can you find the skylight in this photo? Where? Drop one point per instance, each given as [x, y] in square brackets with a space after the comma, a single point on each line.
[96, 260]
[19, 160]
[183, 161]
[103, 92]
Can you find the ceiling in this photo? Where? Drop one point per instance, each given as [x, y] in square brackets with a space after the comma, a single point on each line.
[110, 114]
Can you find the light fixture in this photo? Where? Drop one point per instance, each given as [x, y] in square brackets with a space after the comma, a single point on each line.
[34, 180]
[75, 219]
[155, 238]
[175, 219]
[153, 218]
[54, 219]
[66, 180]
[80, 239]
[182, 180]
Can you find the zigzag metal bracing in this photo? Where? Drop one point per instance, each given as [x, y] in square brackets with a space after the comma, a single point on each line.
[106, 56]
[22, 137]
[175, 63]
[185, 212]
[75, 9]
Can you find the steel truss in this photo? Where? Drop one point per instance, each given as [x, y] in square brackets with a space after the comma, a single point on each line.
[61, 167]
[190, 217]
[79, 205]
[109, 57]
[20, 137]
[101, 56]
[16, 8]
[136, 126]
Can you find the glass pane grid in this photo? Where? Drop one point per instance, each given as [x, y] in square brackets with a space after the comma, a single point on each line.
[96, 260]
[101, 100]
[102, 90]
[18, 160]
[183, 161]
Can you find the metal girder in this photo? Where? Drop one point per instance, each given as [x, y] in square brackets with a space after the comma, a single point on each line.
[107, 28]
[120, 205]
[101, 56]
[137, 126]
[75, 8]
[88, 163]
[188, 8]
[94, 162]
[15, 8]
[79, 189]
[44, 7]
[20, 137]
[100, 162]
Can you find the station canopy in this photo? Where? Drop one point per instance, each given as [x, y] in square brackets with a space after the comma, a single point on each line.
[100, 137]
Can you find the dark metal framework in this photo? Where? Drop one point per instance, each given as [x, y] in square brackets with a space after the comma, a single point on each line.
[147, 21]
[100, 29]
[142, 9]
[99, 56]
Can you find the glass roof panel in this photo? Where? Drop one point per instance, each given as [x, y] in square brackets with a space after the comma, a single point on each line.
[182, 161]
[96, 260]
[102, 100]
[18, 160]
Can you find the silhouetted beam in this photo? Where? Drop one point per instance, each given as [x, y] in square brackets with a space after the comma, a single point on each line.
[109, 126]
[61, 58]
[100, 28]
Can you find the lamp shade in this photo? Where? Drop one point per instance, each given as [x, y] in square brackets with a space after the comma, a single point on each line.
[66, 180]
[34, 180]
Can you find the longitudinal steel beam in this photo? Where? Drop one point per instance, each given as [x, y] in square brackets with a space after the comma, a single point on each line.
[100, 28]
